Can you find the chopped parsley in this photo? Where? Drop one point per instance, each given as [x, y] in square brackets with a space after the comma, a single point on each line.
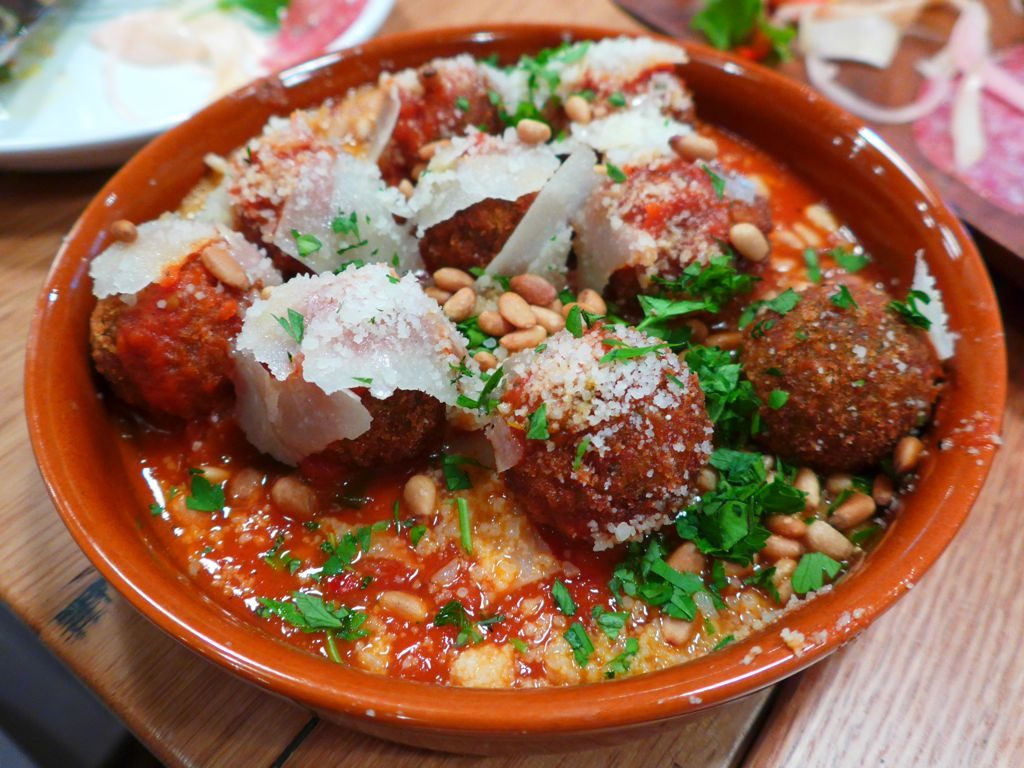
[465, 526]
[909, 310]
[307, 244]
[349, 227]
[727, 640]
[850, 260]
[715, 284]
[777, 399]
[453, 614]
[615, 173]
[622, 351]
[281, 560]
[763, 579]
[518, 644]
[416, 533]
[537, 428]
[813, 265]
[609, 622]
[843, 298]
[484, 402]
[782, 304]
[577, 317]
[155, 509]
[645, 575]
[717, 182]
[731, 402]
[462, 104]
[622, 662]
[728, 521]
[864, 534]
[581, 450]
[311, 613]
[812, 571]
[455, 477]
[204, 496]
[617, 99]
[294, 325]
[586, 94]
[578, 639]
[267, 11]
[363, 380]
[562, 598]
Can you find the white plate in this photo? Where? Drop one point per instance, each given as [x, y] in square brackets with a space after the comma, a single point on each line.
[83, 109]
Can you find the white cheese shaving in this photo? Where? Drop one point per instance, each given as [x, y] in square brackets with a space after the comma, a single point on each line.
[941, 337]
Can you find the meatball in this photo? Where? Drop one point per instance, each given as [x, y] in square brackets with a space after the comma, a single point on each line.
[661, 218]
[474, 235]
[439, 100]
[405, 425]
[857, 376]
[627, 437]
[169, 351]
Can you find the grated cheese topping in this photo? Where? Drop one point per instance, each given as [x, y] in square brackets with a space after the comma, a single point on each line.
[363, 328]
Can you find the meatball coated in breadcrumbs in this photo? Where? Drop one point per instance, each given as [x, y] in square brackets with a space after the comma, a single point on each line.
[627, 436]
[858, 377]
[474, 235]
[169, 351]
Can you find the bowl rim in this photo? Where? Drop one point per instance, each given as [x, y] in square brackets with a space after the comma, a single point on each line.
[665, 694]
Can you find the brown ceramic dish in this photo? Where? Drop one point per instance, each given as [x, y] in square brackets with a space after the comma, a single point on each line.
[888, 207]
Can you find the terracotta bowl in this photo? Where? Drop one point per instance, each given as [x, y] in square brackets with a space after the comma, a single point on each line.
[886, 204]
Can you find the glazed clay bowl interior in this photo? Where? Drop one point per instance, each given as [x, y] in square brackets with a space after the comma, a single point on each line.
[893, 213]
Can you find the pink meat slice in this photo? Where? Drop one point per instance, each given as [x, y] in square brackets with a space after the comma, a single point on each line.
[308, 29]
[999, 175]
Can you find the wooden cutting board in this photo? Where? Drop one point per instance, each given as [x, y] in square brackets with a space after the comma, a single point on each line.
[897, 85]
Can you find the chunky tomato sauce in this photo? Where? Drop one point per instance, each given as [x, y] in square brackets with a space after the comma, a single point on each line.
[250, 549]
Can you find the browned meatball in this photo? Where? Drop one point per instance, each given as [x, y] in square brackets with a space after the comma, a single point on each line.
[627, 437]
[169, 352]
[858, 378]
[405, 425]
[474, 235]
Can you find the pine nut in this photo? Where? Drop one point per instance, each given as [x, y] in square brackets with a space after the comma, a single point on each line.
[693, 146]
[552, 321]
[591, 301]
[725, 340]
[516, 311]
[735, 570]
[222, 265]
[838, 483]
[451, 279]
[244, 485]
[577, 109]
[405, 605]
[486, 360]
[907, 455]
[698, 331]
[807, 481]
[493, 324]
[882, 491]
[807, 234]
[417, 171]
[294, 498]
[749, 241]
[687, 558]
[533, 131]
[534, 288]
[676, 631]
[556, 306]
[215, 475]
[778, 547]
[783, 578]
[520, 340]
[786, 525]
[406, 188]
[822, 537]
[437, 294]
[124, 231]
[707, 480]
[420, 495]
[460, 306]
[854, 511]
[821, 217]
[427, 151]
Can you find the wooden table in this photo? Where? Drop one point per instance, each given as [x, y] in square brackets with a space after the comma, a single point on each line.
[938, 681]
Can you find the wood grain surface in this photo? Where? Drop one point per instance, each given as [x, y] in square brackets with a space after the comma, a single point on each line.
[937, 682]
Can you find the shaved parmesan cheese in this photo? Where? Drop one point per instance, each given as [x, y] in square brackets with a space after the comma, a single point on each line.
[540, 243]
[361, 328]
[127, 268]
[941, 337]
[349, 190]
[479, 167]
[632, 136]
[292, 419]
[384, 125]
